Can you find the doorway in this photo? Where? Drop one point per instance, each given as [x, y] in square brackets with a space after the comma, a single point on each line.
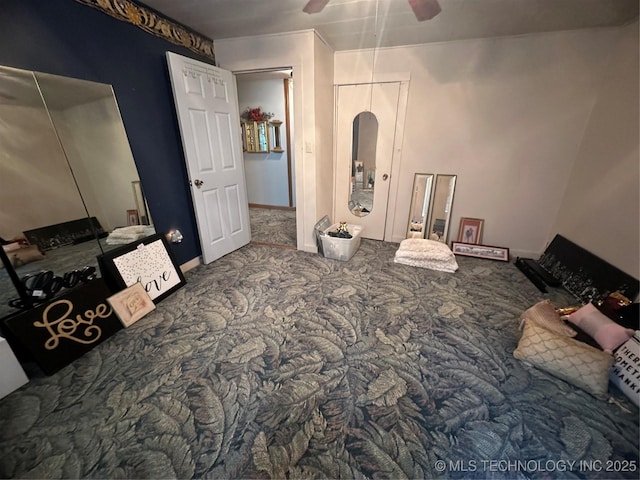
[265, 100]
[367, 139]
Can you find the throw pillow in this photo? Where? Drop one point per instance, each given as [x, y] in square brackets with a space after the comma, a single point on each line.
[544, 314]
[572, 361]
[601, 328]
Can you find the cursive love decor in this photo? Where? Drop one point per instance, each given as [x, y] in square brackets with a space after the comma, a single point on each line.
[148, 261]
[60, 331]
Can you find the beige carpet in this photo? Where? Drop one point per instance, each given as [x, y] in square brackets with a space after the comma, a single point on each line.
[273, 226]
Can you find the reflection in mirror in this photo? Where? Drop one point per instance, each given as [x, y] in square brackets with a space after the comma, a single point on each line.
[441, 207]
[420, 201]
[67, 176]
[363, 163]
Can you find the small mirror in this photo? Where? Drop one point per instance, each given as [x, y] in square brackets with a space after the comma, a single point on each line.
[420, 202]
[363, 163]
[255, 136]
[441, 207]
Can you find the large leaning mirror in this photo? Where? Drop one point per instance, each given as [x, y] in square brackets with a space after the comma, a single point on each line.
[420, 203]
[363, 163]
[440, 216]
[69, 187]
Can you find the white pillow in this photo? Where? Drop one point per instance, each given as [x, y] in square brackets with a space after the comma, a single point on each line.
[575, 362]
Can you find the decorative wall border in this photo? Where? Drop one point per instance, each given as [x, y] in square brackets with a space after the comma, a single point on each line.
[151, 22]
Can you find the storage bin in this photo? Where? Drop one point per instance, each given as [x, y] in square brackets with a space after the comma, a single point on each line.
[341, 248]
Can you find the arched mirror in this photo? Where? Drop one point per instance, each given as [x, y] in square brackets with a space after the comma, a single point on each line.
[440, 217]
[363, 163]
[420, 203]
[69, 187]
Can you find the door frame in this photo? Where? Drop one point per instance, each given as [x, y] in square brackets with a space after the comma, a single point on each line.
[288, 122]
[403, 78]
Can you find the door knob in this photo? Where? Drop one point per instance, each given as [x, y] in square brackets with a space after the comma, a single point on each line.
[198, 183]
[385, 176]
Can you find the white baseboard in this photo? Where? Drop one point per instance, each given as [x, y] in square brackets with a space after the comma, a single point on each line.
[193, 263]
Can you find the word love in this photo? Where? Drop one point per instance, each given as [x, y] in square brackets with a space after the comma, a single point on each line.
[79, 329]
[156, 283]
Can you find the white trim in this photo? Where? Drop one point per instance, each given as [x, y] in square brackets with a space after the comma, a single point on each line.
[191, 264]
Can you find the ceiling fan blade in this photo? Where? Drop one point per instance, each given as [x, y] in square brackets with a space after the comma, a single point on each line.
[424, 9]
[315, 6]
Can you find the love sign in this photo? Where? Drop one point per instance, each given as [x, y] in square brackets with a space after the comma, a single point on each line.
[147, 261]
[59, 331]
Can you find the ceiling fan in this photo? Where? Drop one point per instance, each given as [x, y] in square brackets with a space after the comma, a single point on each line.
[422, 9]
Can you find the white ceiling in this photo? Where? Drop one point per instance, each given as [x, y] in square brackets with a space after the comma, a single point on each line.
[353, 24]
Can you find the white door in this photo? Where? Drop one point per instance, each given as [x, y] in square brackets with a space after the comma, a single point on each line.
[207, 106]
[383, 103]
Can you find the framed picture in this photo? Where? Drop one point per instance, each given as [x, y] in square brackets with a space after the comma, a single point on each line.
[131, 304]
[132, 218]
[480, 251]
[148, 261]
[470, 230]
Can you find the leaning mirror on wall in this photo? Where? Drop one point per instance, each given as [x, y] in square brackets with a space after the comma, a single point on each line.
[69, 187]
[420, 203]
[440, 216]
[363, 163]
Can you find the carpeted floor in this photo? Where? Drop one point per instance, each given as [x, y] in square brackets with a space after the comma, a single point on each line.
[273, 226]
[274, 363]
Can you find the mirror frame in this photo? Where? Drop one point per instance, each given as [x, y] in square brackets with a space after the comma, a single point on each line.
[362, 187]
[448, 207]
[42, 83]
[425, 202]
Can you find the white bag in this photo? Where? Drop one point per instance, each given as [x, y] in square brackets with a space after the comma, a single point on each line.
[625, 373]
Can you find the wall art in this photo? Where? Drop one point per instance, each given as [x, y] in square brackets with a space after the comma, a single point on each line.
[470, 230]
[131, 304]
[148, 261]
[62, 330]
[480, 251]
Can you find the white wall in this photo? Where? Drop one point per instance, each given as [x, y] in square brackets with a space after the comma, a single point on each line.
[98, 151]
[266, 173]
[324, 103]
[600, 209]
[36, 188]
[295, 50]
[506, 115]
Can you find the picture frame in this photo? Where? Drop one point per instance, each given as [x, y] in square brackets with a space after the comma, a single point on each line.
[470, 230]
[148, 261]
[480, 251]
[133, 218]
[131, 304]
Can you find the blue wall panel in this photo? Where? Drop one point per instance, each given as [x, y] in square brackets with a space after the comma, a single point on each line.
[67, 38]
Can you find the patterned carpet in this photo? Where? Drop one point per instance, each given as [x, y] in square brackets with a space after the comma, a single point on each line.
[273, 226]
[273, 363]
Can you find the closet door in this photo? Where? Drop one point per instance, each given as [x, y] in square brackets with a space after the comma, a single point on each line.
[366, 130]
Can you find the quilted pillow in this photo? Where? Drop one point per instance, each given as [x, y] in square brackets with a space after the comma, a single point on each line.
[545, 315]
[598, 326]
[420, 252]
[574, 362]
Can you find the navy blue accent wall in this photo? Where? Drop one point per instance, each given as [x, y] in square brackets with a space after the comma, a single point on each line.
[67, 38]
